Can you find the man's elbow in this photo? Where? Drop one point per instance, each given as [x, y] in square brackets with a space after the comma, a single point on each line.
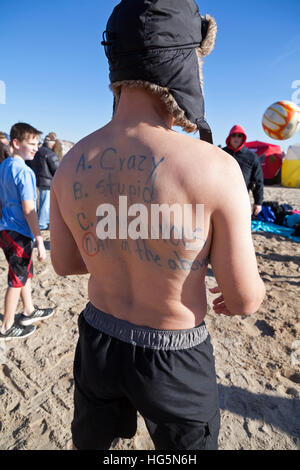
[60, 271]
[70, 272]
[58, 267]
[64, 270]
[249, 305]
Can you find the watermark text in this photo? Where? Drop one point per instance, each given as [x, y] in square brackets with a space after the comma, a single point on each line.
[2, 92]
[296, 93]
[140, 228]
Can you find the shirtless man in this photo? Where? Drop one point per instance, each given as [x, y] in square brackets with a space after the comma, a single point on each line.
[143, 343]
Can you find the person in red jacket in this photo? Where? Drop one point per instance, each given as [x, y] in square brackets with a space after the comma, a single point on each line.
[249, 164]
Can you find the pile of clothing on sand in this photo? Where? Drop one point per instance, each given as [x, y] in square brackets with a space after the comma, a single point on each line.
[280, 219]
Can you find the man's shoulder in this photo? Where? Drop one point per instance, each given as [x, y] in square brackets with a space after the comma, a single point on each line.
[74, 157]
[230, 152]
[43, 152]
[194, 145]
[202, 165]
[209, 155]
[51, 154]
[247, 153]
[80, 149]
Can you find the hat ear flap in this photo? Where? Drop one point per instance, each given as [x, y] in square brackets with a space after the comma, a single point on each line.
[208, 43]
[200, 67]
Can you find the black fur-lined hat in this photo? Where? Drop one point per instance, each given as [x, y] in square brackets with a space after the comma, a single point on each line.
[159, 45]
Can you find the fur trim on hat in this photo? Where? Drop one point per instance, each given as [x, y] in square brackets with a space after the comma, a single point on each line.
[208, 43]
[165, 96]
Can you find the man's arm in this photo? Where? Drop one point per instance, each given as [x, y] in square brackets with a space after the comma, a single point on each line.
[232, 253]
[65, 256]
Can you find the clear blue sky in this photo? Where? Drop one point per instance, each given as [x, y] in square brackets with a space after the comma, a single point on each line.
[56, 73]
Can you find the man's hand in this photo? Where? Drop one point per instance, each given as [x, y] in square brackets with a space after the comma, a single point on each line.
[256, 209]
[219, 304]
[41, 249]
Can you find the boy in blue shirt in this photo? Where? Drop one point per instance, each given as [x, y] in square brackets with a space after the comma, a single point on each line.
[18, 229]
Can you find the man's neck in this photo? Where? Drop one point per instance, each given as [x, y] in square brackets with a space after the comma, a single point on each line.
[137, 106]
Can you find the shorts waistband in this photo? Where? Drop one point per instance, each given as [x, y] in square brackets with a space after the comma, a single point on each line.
[142, 335]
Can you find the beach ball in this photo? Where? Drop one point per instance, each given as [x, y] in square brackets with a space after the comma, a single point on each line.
[281, 120]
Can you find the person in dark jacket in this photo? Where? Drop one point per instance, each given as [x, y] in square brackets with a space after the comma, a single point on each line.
[249, 164]
[44, 165]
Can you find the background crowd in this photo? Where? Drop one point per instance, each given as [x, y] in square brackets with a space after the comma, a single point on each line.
[44, 165]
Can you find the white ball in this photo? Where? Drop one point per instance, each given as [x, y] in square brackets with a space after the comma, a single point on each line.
[281, 120]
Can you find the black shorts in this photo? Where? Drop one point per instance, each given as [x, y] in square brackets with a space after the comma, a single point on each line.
[18, 253]
[124, 368]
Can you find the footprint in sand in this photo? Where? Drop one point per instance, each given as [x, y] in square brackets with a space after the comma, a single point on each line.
[292, 375]
[265, 328]
[258, 327]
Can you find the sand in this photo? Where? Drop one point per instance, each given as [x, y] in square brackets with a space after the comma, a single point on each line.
[257, 358]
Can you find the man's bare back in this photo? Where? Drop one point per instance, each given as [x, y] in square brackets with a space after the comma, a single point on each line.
[152, 282]
[105, 221]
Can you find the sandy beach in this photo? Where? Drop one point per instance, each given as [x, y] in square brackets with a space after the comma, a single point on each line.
[257, 358]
